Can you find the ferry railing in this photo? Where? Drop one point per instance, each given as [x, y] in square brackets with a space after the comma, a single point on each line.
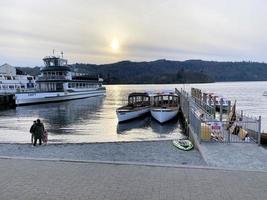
[56, 77]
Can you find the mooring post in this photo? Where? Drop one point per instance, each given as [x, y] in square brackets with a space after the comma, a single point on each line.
[242, 114]
[259, 131]
[221, 108]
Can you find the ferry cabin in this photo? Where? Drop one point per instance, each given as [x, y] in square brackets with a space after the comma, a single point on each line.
[56, 76]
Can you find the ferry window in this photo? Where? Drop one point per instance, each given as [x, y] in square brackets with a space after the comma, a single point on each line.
[60, 73]
[11, 87]
[51, 63]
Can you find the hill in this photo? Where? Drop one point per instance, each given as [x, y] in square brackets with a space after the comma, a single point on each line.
[166, 71]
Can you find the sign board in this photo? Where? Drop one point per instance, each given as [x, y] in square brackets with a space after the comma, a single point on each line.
[216, 126]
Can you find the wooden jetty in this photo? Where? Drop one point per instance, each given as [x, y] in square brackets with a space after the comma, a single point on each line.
[203, 123]
[7, 101]
[264, 138]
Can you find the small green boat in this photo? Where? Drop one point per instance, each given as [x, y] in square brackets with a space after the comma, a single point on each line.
[183, 144]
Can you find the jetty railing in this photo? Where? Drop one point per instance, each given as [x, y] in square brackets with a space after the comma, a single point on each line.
[225, 131]
[201, 120]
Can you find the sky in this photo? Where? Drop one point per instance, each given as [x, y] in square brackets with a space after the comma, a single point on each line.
[106, 31]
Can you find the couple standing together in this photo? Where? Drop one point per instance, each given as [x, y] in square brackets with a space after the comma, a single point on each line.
[38, 132]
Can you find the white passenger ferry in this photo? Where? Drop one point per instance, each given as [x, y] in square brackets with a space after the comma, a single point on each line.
[58, 82]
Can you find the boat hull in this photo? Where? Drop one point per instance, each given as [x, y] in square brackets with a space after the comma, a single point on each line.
[46, 97]
[164, 114]
[125, 115]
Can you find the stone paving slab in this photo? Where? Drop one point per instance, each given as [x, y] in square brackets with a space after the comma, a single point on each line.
[234, 155]
[25, 179]
[145, 152]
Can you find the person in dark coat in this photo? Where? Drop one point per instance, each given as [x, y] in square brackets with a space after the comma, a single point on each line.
[38, 132]
[32, 130]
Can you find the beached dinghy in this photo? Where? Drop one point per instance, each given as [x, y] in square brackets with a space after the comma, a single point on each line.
[138, 105]
[165, 106]
[183, 144]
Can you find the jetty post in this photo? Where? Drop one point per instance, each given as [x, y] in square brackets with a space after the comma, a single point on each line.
[221, 109]
[205, 101]
[259, 131]
[214, 106]
[229, 108]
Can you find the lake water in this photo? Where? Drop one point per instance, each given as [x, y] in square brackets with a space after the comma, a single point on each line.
[94, 119]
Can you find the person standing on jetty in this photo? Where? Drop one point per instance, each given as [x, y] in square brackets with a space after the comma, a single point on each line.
[32, 130]
[38, 132]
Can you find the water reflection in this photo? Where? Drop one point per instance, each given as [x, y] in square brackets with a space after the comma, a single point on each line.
[166, 128]
[60, 117]
[142, 122]
[148, 123]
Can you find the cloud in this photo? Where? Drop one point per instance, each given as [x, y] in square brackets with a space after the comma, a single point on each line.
[172, 29]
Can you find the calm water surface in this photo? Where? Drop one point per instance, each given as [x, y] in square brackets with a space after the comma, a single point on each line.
[94, 119]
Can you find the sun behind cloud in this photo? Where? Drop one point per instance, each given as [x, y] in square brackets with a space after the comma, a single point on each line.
[115, 45]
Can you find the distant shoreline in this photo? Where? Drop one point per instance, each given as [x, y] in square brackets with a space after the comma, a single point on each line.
[182, 83]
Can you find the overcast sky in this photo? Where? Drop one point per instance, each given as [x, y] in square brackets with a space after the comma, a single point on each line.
[142, 30]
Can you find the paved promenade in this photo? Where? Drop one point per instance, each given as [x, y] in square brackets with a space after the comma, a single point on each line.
[146, 151]
[28, 179]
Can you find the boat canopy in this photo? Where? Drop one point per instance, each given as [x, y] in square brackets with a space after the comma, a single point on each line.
[135, 94]
[138, 98]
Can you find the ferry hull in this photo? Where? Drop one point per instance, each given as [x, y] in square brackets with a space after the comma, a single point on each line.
[128, 115]
[39, 97]
[163, 115]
